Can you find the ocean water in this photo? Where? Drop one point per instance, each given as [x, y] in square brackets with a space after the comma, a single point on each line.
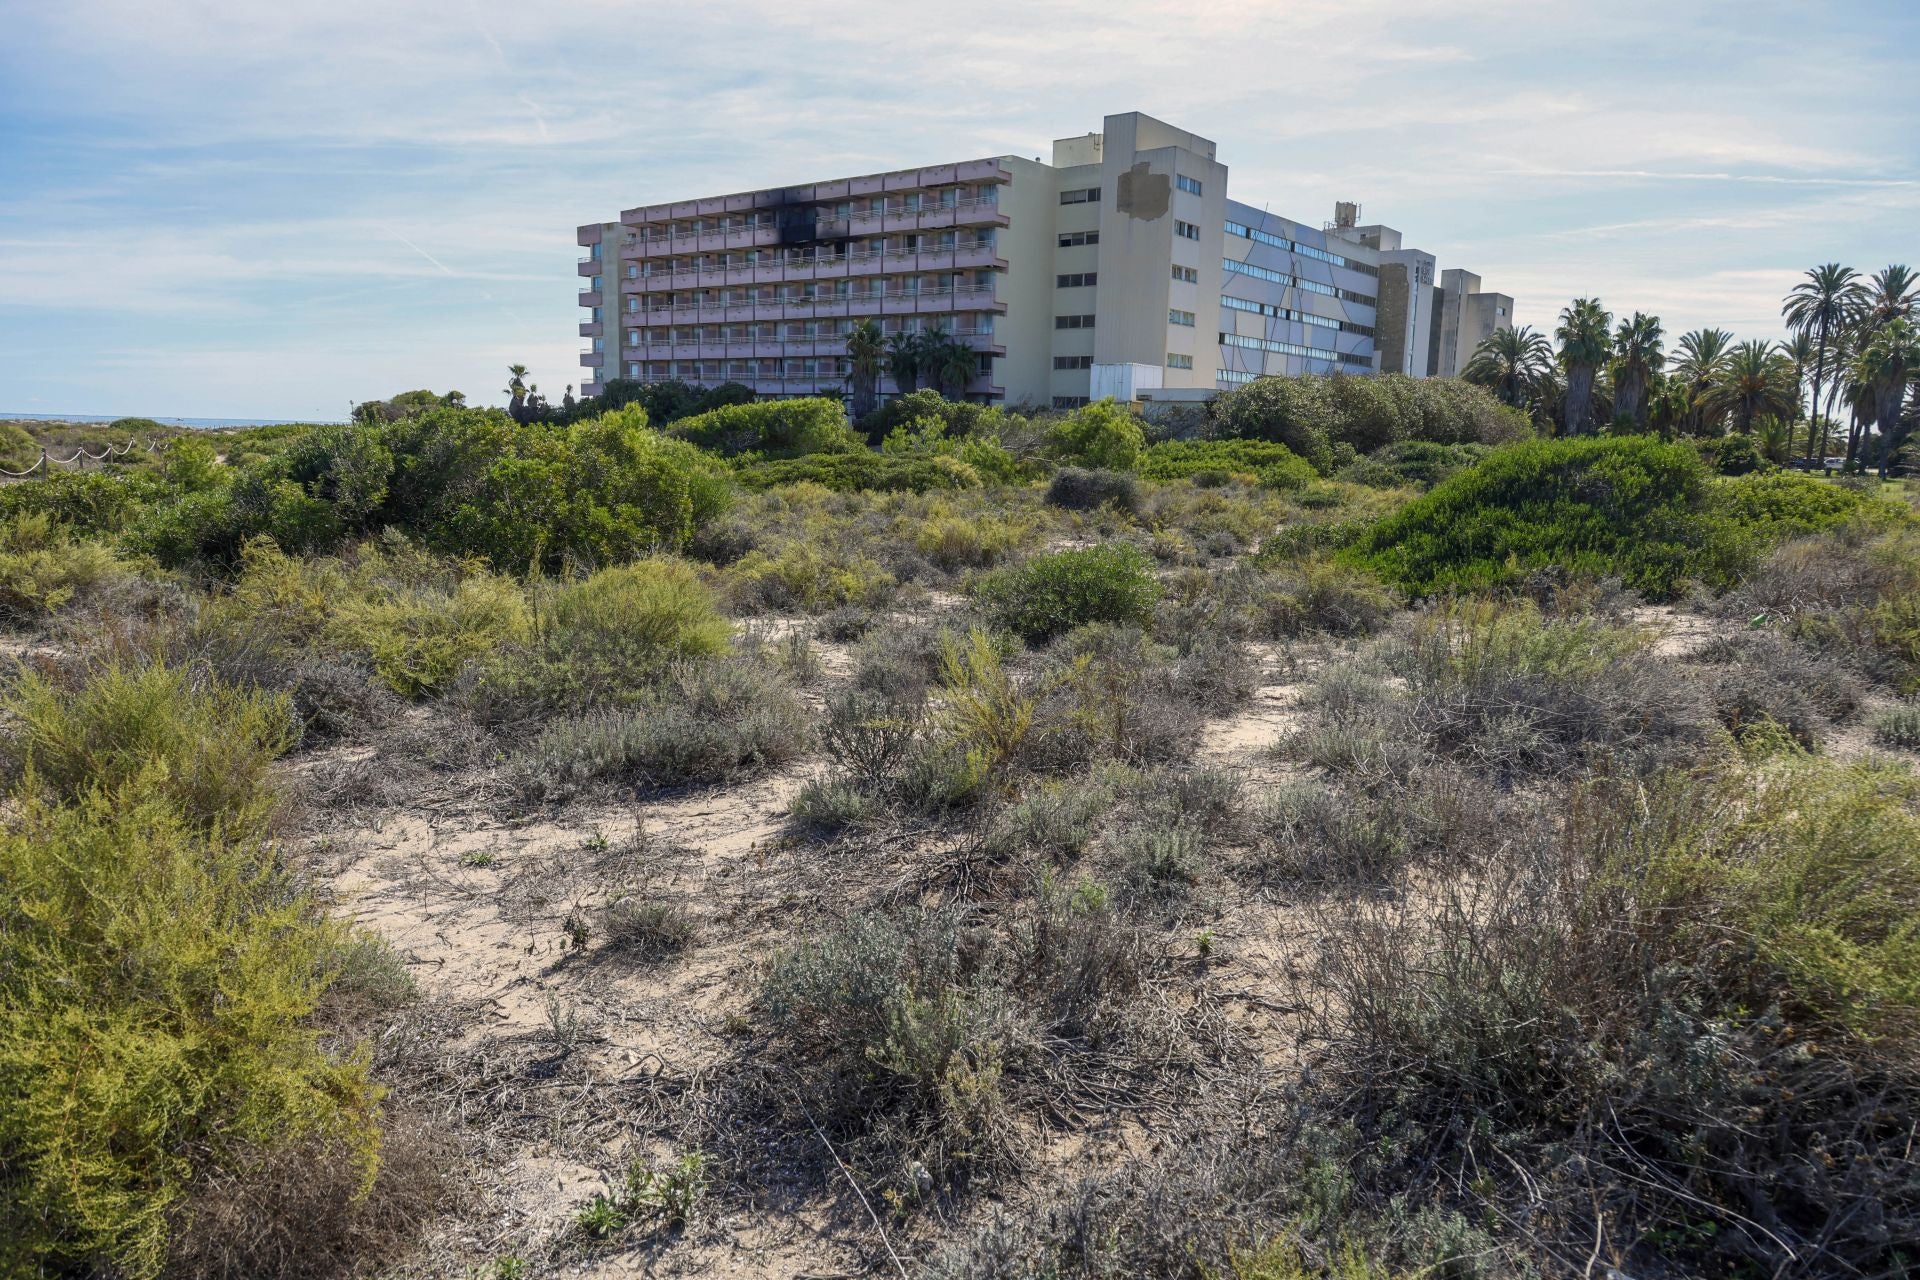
[166, 422]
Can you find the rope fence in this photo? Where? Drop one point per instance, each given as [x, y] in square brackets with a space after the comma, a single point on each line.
[80, 457]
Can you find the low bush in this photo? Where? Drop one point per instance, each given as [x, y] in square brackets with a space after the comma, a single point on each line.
[159, 979]
[602, 641]
[1416, 463]
[1627, 507]
[203, 747]
[647, 928]
[43, 569]
[704, 722]
[1101, 435]
[805, 576]
[1585, 1014]
[921, 1038]
[1508, 693]
[1078, 489]
[1052, 594]
[1283, 598]
[1267, 462]
[1898, 727]
[1852, 593]
[772, 428]
[1758, 679]
[416, 620]
[1770, 506]
[862, 471]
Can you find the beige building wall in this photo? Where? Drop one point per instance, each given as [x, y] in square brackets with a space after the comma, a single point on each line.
[1026, 244]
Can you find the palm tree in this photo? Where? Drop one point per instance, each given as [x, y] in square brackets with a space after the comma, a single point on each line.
[1583, 349]
[1773, 438]
[1509, 362]
[1638, 354]
[1891, 295]
[1668, 405]
[1824, 303]
[867, 360]
[1758, 382]
[1698, 367]
[903, 361]
[517, 388]
[950, 362]
[1886, 364]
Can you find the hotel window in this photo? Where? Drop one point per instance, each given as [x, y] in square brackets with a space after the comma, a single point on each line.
[1187, 184]
[1186, 229]
[596, 284]
[1073, 322]
[1187, 274]
[593, 251]
[1068, 239]
[633, 272]
[1076, 280]
[1176, 316]
[1177, 361]
[633, 369]
[1086, 195]
[633, 337]
[599, 344]
[1073, 362]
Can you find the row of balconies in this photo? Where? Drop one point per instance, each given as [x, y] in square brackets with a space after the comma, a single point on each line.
[784, 261]
[764, 349]
[892, 304]
[653, 241]
[828, 266]
[962, 173]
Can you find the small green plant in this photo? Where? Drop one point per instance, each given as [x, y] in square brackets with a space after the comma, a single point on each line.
[600, 1217]
[671, 1193]
[510, 1267]
[478, 859]
[563, 1025]
[577, 929]
[1050, 595]
[1898, 727]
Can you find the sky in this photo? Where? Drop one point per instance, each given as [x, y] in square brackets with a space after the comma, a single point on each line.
[251, 208]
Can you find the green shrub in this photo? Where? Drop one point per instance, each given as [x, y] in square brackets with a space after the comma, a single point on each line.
[1272, 464]
[155, 987]
[958, 418]
[1772, 505]
[1052, 594]
[1319, 416]
[158, 975]
[861, 471]
[204, 748]
[1417, 463]
[1077, 489]
[1735, 455]
[705, 722]
[772, 428]
[1898, 727]
[42, 570]
[801, 574]
[417, 620]
[1629, 507]
[603, 641]
[1100, 435]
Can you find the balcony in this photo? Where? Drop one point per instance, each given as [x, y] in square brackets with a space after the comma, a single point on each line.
[591, 298]
[592, 329]
[592, 359]
[587, 267]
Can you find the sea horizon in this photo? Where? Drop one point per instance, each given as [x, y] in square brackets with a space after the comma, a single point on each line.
[202, 423]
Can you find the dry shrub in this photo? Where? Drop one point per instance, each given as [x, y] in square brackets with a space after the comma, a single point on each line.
[1699, 1008]
[304, 1213]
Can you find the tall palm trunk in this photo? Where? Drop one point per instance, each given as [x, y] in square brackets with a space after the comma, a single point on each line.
[1579, 406]
[1819, 367]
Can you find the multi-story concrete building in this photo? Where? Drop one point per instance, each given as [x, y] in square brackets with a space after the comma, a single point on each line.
[1121, 268]
[1466, 318]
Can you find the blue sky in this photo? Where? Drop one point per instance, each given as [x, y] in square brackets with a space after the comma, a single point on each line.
[244, 208]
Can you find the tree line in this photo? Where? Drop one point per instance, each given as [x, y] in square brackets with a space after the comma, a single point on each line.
[1853, 345]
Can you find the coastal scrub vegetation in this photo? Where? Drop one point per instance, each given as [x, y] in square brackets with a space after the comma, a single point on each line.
[1354, 828]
